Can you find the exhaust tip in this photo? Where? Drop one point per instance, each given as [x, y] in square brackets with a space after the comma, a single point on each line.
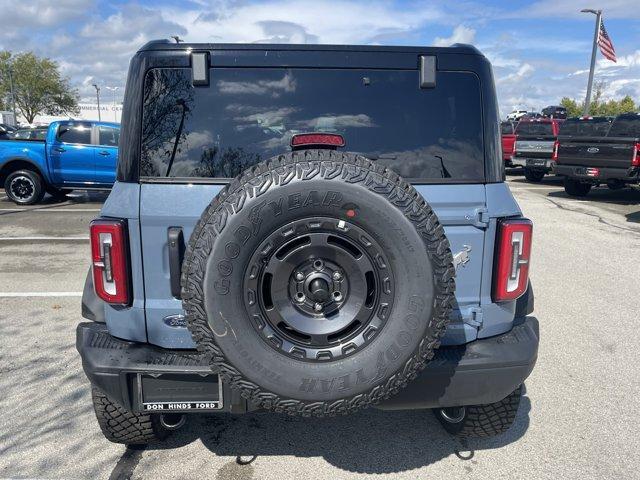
[172, 421]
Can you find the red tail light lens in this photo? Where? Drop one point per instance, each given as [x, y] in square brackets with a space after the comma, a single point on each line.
[306, 140]
[110, 260]
[635, 161]
[554, 155]
[511, 273]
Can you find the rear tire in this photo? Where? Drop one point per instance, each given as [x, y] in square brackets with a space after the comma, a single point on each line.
[24, 187]
[575, 188]
[119, 425]
[481, 420]
[535, 176]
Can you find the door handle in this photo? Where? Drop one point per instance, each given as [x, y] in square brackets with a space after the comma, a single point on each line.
[58, 149]
[104, 153]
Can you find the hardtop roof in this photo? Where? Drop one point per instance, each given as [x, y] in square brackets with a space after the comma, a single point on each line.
[164, 44]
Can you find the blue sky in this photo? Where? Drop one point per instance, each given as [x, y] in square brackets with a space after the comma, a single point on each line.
[539, 49]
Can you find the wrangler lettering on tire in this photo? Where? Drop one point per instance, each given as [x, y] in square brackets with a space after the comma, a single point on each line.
[318, 283]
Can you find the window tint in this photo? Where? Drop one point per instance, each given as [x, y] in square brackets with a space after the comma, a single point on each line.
[76, 133]
[534, 128]
[109, 136]
[625, 126]
[506, 128]
[248, 115]
[595, 127]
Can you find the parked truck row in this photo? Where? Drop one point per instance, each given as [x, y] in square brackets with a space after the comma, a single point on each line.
[585, 151]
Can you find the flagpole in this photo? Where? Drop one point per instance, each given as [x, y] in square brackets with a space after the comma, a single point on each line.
[587, 100]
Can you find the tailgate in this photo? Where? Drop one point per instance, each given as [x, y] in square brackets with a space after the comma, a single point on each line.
[534, 147]
[603, 152]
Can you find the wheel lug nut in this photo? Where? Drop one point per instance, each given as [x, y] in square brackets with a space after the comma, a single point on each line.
[337, 275]
[299, 276]
[317, 307]
[300, 297]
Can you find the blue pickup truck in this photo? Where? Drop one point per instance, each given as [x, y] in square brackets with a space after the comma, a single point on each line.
[74, 155]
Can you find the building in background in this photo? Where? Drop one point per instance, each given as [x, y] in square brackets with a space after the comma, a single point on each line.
[87, 111]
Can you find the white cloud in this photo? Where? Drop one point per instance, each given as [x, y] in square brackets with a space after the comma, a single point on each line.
[321, 21]
[570, 8]
[461, 34]
[524, 71]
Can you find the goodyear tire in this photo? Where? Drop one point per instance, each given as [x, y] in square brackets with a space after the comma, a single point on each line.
[318, 283]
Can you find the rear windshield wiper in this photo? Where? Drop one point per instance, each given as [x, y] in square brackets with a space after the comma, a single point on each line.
[443, 170]
[180, 103]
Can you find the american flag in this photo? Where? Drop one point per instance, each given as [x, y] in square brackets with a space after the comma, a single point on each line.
[604, 42]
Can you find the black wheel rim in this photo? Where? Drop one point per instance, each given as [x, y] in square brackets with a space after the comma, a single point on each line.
[22, 188]
[319, 289]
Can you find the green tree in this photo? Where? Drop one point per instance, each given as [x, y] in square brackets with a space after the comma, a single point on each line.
[38, 85]
[598, 106]
[627, 105]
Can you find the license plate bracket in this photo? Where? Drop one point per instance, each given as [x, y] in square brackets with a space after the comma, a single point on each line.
[179, 392]
[534, 162]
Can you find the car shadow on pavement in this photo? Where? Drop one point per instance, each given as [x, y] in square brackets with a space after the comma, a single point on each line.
[625, 196]
[372, 441]
[633, 217]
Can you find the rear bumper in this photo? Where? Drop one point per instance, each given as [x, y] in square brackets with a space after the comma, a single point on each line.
[588, 174]
[483, 371]
[532, 163]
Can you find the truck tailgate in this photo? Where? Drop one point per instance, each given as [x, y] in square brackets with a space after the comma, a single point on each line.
[603, 152]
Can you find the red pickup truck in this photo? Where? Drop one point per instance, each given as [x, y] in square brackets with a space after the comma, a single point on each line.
[508, 134]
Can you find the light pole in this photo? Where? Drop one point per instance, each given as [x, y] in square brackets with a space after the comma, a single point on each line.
[98, 97]
[587, 100]
[13, 96]
[113, 89]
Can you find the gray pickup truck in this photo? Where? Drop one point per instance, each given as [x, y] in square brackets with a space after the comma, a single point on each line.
[612, 159]
[536, 146]
[309, 230]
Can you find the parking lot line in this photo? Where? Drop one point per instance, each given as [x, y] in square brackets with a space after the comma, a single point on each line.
[40, 294]
[49, 210]
[44, 239]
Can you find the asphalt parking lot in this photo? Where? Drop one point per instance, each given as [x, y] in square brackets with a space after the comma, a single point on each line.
[578, 420]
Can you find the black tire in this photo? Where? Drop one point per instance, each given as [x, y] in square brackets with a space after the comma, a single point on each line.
[24, 187]
[119, 425]
[576, 188]
[616, 185]
[327, 189]
[481, 420]
[535, 176]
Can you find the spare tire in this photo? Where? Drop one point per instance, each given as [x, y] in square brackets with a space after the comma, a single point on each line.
[318, 283]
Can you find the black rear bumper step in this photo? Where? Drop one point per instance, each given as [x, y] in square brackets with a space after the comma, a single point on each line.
[578, 172]
[480, 372]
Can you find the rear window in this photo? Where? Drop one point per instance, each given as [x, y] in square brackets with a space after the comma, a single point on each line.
[596, 127]
[248, 115]
[534, 128]
[506, 128]
[625, 126]
[109, 136]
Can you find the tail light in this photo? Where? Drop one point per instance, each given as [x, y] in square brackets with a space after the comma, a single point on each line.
[110, 260]
[307, 140]
[511, 273]
[554, 155]
[635, 161]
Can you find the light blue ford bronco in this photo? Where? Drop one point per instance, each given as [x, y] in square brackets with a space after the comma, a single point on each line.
[309, 230]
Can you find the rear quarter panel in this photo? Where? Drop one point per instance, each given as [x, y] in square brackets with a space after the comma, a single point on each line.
[32, 151]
